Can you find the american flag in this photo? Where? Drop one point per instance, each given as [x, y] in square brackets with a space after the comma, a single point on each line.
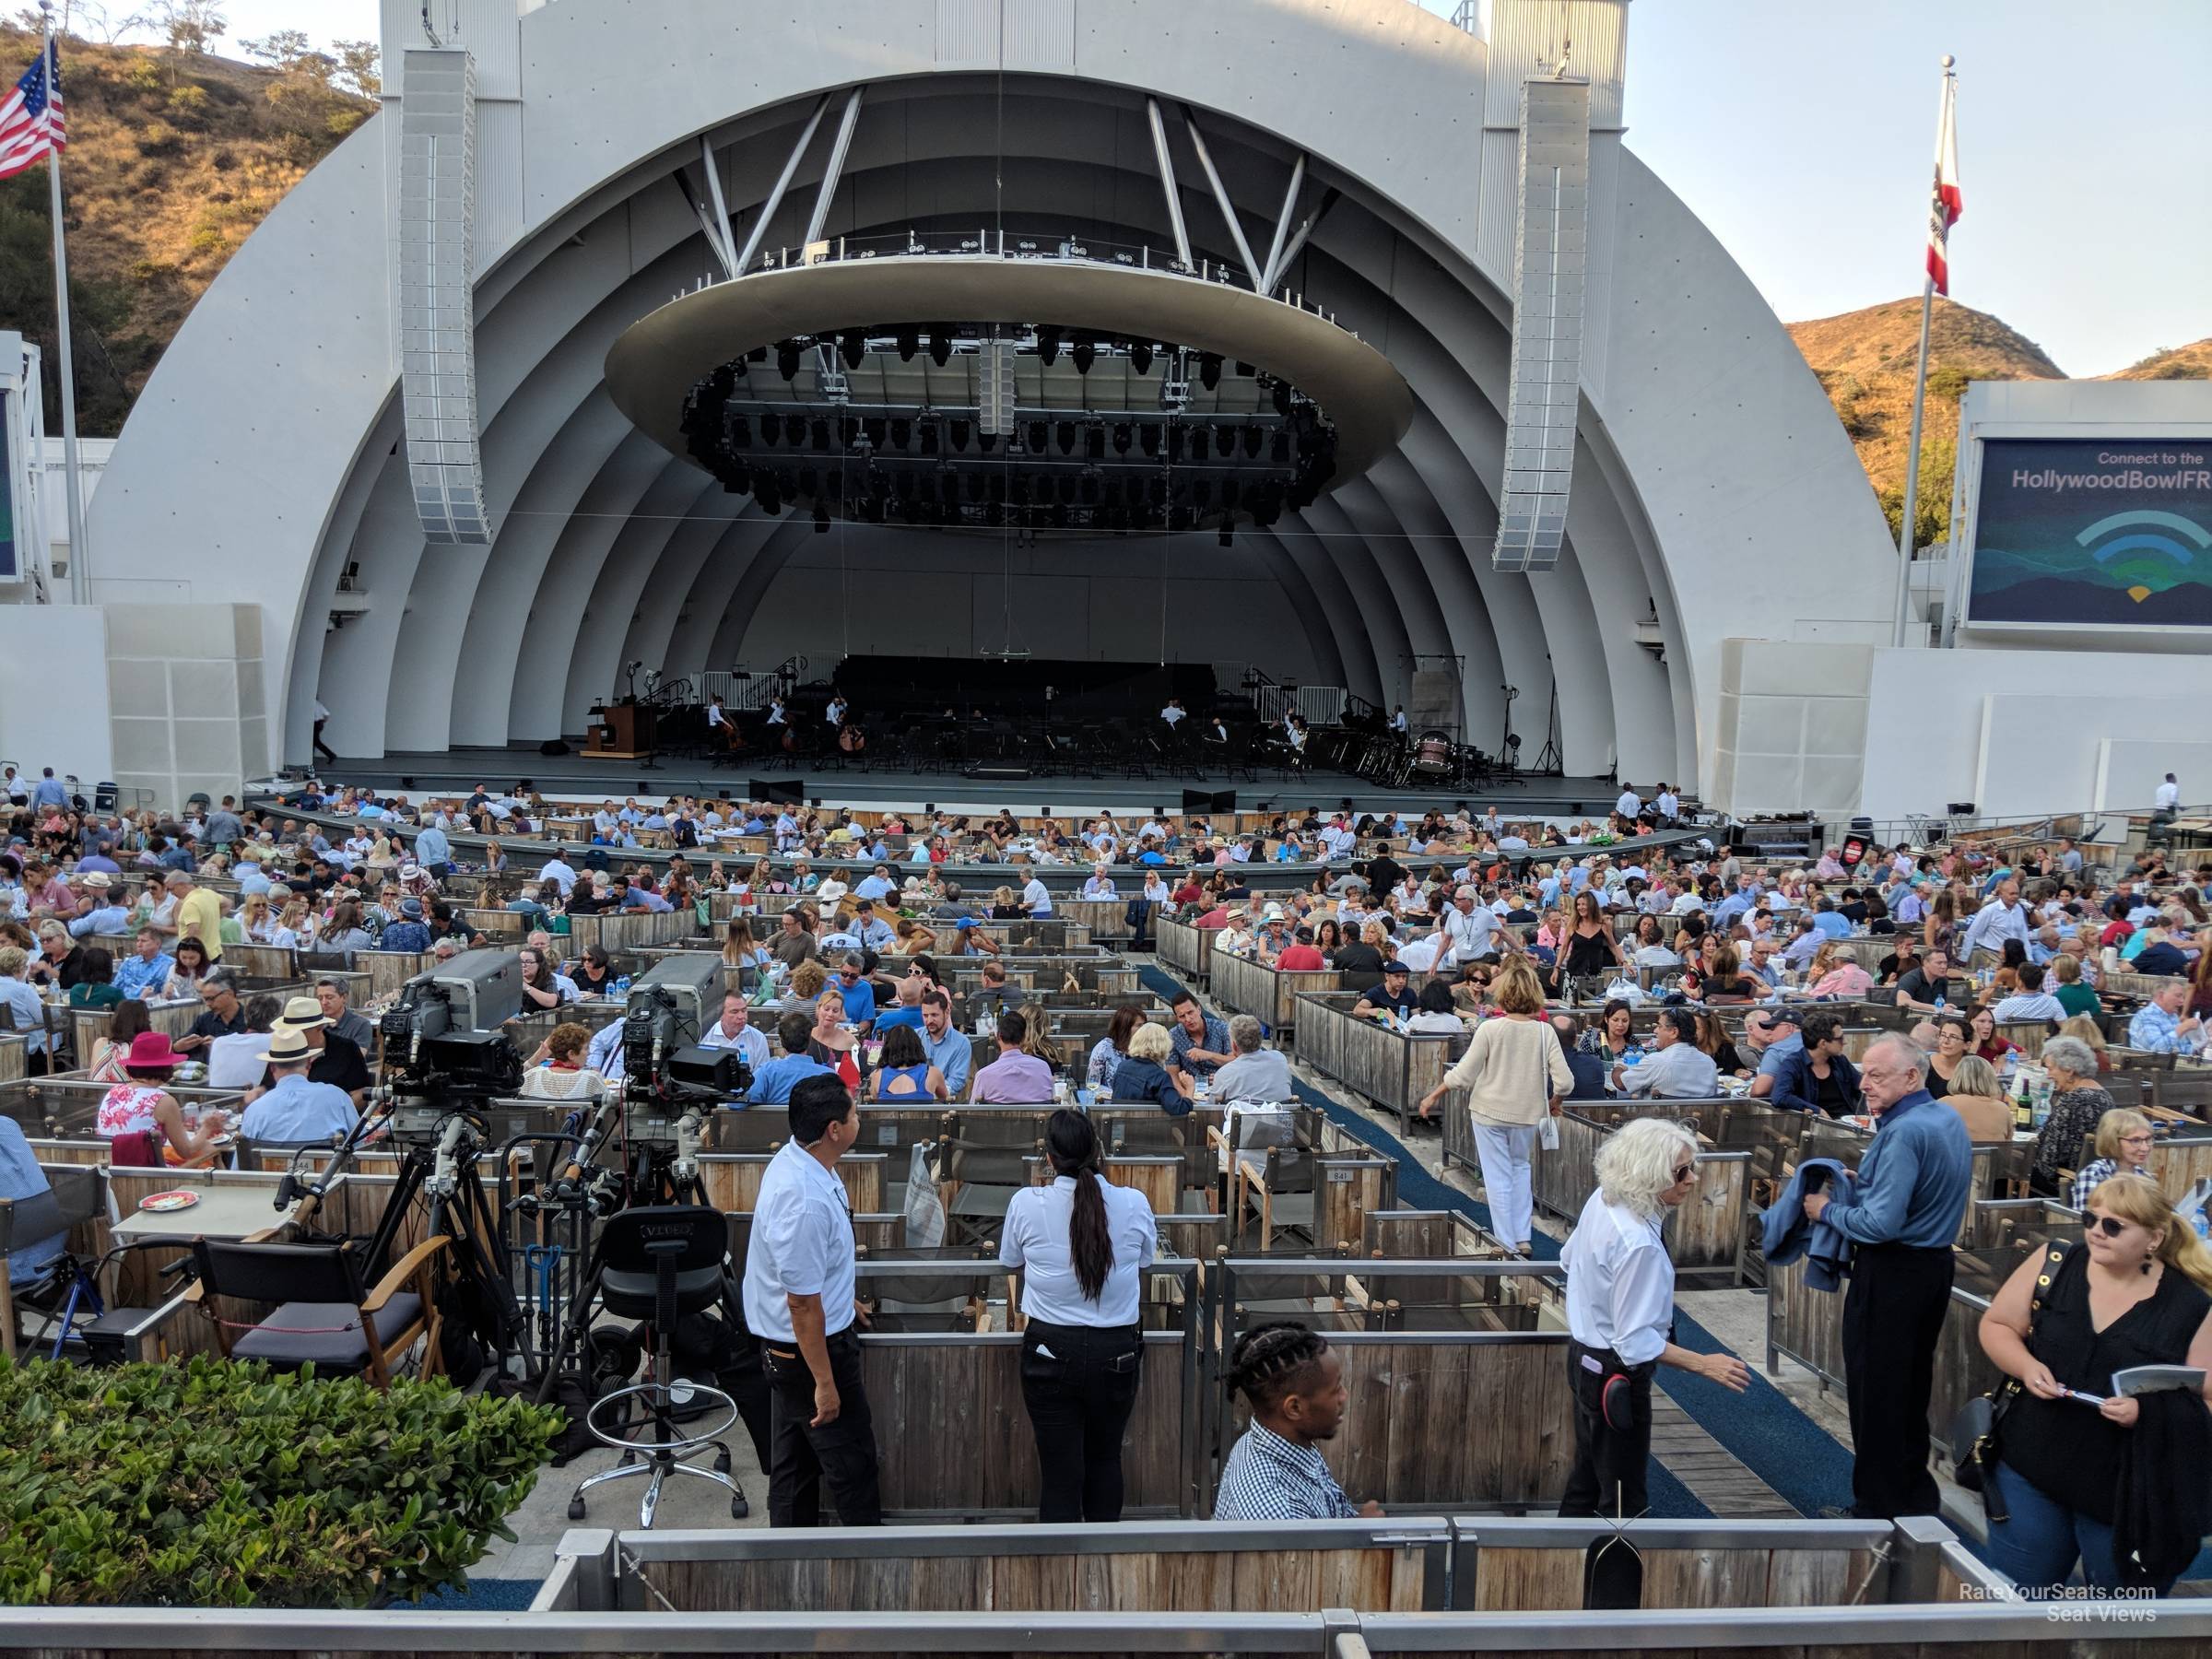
[30, 120]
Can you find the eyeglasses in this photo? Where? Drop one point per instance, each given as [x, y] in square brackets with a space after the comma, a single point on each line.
[2136, 1140]
[2111, 1226]
[1683, 1172]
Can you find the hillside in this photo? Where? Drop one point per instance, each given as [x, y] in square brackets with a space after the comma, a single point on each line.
[173, 158]
[1865, 360]
[2178, 362]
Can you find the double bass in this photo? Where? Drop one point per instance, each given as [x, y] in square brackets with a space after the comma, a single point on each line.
[850, 738]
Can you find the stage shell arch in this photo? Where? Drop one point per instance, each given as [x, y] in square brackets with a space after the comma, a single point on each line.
[1715, 496]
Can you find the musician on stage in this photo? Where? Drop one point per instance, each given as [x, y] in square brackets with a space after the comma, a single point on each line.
[835, 713]
[775, 709]
[1397, 721]
[719, 729]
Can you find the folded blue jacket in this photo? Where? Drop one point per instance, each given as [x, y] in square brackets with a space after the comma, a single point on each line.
[1786, 1233]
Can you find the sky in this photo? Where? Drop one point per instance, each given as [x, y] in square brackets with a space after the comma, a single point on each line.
[1803, 132]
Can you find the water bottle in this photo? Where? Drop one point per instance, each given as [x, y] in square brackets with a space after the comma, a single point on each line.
[1940, 1004]
[622, 986]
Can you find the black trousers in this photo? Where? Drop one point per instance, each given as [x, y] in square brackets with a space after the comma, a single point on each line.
[1892, 1320]
[1611, 1477]
[1079, 1383]
[802, 1457]
[322, 748]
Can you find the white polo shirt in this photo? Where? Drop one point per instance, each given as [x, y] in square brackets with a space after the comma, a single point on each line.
[1035, 1239]
[802, 1244]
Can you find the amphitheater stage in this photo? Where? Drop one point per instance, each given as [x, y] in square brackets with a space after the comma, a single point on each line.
[455, 772]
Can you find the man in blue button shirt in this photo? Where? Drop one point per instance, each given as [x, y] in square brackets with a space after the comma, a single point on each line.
[772, 1083]
[949, 1050]
[1911, 1192]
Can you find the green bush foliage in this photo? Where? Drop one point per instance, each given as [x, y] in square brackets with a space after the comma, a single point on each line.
[211, 1484]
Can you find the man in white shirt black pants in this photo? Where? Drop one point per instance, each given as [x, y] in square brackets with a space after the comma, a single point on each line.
[799, 1301]
[1082, 1245]
[1620, 1316]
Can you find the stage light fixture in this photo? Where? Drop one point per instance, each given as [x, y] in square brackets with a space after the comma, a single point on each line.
[820, 433]
[1255, 438]
[1209, 369]
[854, 348]
[787, 358]
[910, 342]
[1122, 438]
[1282, 398]
[1140, 357]
[1282, 449]
[903, 432]
[741, 432]
[794, 430]
[1084, 356]
[1048, 345]
[1065, 436]
[930, 438]
[940, 344]
[1245, 370]
[987, 442]
[758, 354]
[1175, 444]
[1197, 437]
[878, 430]
[1038, 437]
[959, 435]
[848, 429]
[1148, 436]
[1094, 442]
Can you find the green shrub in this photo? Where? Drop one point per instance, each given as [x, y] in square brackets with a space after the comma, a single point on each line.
[158, 138]
[218, 1485]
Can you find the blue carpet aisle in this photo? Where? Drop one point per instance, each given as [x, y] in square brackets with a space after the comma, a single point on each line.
[1778, 1442]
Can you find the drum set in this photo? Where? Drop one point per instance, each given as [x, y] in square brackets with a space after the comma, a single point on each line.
[1430, 759]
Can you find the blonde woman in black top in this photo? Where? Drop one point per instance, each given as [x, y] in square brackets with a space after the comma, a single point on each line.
[2134, 1292]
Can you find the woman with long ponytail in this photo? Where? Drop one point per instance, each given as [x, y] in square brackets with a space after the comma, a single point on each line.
[1082, 1245]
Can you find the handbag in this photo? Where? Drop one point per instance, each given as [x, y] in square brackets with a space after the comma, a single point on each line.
[1975, 1430]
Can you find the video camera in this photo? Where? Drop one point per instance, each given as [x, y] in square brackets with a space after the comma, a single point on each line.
[677, 1001]
[446, 1022]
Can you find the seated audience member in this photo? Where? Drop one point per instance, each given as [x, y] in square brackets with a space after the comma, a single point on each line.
[1294, 1383]
[234, 1058]
[1258, 1073]
[559, 1070]
[1016, 1077]
[1677, 1068]
[905, 1071]
[2031, 1001]
[2079, 1103]
[30, 1263]
[2125, 1140]
[296, 1110]
[1977, 1095]
[143, 1118]
[772, 1083]
[1394, 995]
[1199, 1041]
[1146, 1075]
[1588, 1069]
[1817, 1077]
[2161, 1027]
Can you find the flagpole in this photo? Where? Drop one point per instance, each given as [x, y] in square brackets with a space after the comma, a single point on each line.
[80, 580]
[1904, 533]
[1920, 398]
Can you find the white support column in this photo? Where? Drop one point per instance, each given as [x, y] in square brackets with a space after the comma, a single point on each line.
[718, 223]
[775, 196]
[1166, 181]
[836, 167]
[1274, 270]
[1229, 208]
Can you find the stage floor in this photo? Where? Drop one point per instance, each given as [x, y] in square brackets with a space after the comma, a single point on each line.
[455, 772]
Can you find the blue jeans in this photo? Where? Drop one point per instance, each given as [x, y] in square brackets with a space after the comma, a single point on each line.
[2038, 1546]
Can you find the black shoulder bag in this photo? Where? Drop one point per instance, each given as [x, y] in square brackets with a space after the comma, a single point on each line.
[1975, 1430]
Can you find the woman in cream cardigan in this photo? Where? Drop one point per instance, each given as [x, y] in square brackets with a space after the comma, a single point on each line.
[1514, 1072]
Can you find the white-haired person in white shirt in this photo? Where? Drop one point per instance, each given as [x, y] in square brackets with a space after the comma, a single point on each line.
[1620, 1311]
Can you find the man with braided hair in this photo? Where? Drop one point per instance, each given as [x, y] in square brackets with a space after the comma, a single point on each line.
[1294, 1383]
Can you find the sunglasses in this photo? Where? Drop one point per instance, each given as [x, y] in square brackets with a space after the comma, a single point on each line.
[2111, 1226]
[1683, 1172]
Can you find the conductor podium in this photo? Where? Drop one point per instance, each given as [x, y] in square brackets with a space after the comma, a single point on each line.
[623, 731]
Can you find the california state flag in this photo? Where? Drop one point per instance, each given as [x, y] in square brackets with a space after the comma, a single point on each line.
[1946, 205]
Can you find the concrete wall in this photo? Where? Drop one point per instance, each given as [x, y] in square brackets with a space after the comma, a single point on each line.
[185, 693]
[53, 698]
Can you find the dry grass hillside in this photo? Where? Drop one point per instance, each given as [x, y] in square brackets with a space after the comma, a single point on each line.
[1864, 360]
[173, 158]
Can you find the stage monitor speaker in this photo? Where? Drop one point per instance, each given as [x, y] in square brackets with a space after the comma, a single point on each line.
[553, 746]
[1206, 802]
[792, 792]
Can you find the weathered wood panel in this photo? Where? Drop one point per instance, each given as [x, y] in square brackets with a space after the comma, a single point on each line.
[1270, 994]
[1188, 950]
[733, 1180]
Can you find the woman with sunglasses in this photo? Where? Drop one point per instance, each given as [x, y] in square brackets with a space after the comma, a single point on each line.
[1620, 1311]
[2135, 1293]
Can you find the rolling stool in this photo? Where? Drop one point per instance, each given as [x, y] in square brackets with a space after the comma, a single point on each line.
[658, 1264]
